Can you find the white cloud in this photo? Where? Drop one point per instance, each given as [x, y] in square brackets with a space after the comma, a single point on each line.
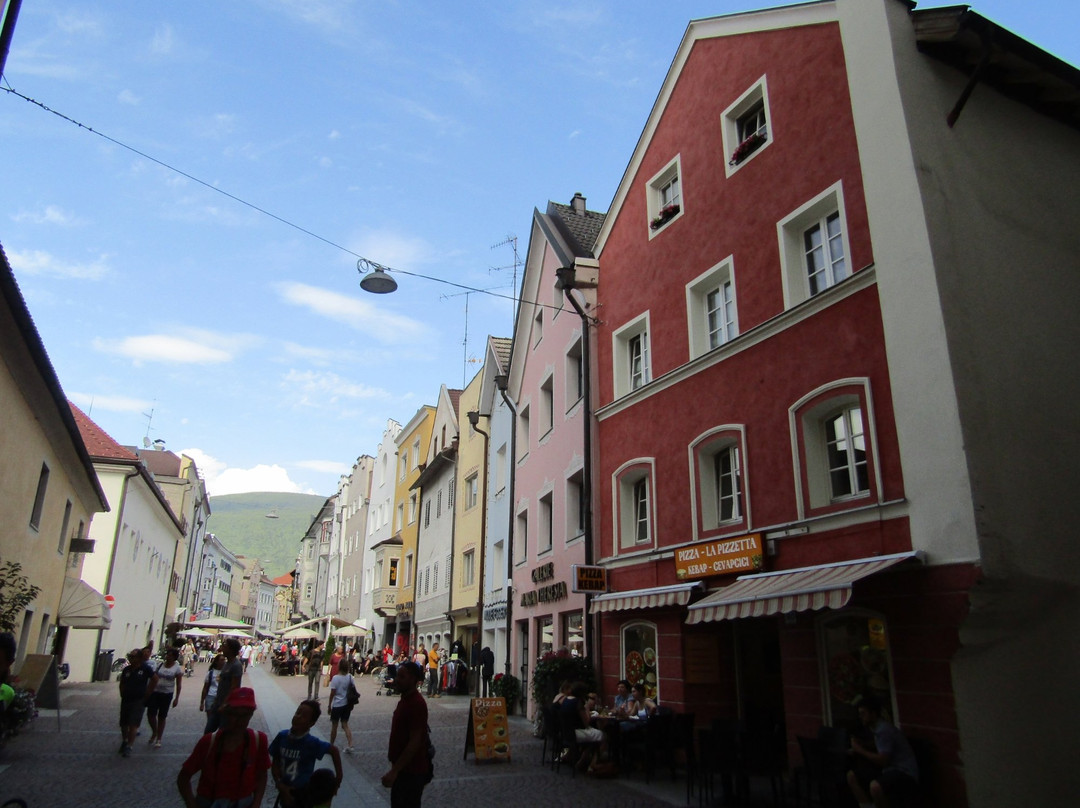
[328, 388]
[51, 215]
[222, 479]
[38, 262]
[94, 401]
[187, 346]
[162, 44]
[334, 135]
[365, 317]
[129, 98]
[325, 466]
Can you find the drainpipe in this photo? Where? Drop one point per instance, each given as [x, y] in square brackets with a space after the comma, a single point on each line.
[567, 281]
[474, 420]
[502, 381]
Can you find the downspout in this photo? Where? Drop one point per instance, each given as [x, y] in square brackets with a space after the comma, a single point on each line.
[567, 281]
[501, 381]
[474, 420]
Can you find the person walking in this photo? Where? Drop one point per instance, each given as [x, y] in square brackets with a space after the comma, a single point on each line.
[232, 762]
[137, 682]
[210, 684]
[410, 766]
[232, 674]
[294, 752]
[487, 669]
[433, 671]
[339, 705]
[245, 654]
[313, 659]
[170, 678]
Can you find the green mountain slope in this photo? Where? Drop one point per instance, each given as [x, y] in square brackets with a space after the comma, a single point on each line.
[241, 523]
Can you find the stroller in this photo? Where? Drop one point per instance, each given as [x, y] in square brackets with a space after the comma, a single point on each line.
[385, 677]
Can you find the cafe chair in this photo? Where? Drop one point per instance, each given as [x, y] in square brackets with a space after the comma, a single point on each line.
[552, 736]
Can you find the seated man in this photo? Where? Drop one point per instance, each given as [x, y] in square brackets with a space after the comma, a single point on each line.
[892, 769]
[622, 696]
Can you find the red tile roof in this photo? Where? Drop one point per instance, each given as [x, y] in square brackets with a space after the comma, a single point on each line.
[98, 443]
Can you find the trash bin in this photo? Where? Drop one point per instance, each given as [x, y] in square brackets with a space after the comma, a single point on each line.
[103, 666]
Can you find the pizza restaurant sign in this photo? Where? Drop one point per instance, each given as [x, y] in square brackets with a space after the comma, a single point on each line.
[721, 557]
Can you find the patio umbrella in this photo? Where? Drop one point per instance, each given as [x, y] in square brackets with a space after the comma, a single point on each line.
[219, 622]
[301, 633]
[350, 631]
[233, 632]
[195, 632]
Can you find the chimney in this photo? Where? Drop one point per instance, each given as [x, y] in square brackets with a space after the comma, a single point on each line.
[578, 203]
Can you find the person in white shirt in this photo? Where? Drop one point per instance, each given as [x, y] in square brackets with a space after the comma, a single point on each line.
[340, 709]
[245, 654]
[170, 678]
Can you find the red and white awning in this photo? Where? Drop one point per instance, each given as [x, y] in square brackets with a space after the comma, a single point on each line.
[799, 590]
[657, 597]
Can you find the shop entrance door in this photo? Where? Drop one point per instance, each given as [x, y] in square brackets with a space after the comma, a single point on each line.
[760, 683]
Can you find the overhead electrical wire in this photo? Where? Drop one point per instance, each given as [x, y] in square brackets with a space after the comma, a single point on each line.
[12, 91]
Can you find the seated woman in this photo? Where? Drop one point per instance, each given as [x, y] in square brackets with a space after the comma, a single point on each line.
[564, 692]
[574, 713]
[643, 707]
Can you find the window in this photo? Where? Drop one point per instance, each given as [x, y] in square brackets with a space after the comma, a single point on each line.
[450, 494]
[412, 507]
[416, 454]
[631, 356]
[427, 579]
[393, 571]
[62, 546]
[639, 663]
[500, 468]
[438, 503]
[814, 247]
[427, 513]
[745, 127]
[39, 497]
[710, 309]
[823, 250]
[833, 433]
[435, 577]
[635, 504]
[523, 433]
[575, 375]
[664, 197]
[547, 405]
[472, 490]
[719, 473]
[408, 570]
[521, 537]
[468, 568]
[575, 505]
[403, 466]
[845, 447]
[544, 529]
[399, 516]
[498, 566]
[538, 327]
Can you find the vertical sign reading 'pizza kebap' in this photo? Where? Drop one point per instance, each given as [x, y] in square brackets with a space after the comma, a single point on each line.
[488, 733]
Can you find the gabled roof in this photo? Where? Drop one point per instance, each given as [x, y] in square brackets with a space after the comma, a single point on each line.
[98, 442]
[500, 349]
[27, 335]
[161, 463]
[578, 225]
[284, 580]
[455, 398]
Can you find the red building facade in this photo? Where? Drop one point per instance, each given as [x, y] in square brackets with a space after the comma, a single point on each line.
[750, 496]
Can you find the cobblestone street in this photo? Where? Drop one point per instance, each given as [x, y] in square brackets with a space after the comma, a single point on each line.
[74, 760]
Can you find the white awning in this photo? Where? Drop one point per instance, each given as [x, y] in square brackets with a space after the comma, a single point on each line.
[654, 598]
[798, 590]
[82, 606]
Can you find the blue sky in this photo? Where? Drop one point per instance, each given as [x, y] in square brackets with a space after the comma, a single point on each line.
[417, 135]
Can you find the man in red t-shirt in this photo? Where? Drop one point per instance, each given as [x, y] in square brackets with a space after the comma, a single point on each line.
[410, 768]
[233, 761]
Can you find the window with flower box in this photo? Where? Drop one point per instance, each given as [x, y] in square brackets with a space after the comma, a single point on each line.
[746, 130]
[664, 197]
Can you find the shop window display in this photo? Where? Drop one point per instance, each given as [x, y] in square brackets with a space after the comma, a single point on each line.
[639, 663]
[855, 655]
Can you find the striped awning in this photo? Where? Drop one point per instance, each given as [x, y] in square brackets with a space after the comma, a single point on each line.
[674, 595]
[799, 590]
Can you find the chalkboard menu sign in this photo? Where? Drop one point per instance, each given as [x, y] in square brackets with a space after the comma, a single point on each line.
[488, 733]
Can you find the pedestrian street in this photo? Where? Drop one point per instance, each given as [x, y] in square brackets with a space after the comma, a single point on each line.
[73, 759]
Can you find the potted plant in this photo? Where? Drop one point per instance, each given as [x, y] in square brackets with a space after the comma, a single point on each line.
[556, 667]
[752, 143]
[507, 686]
[666, 213]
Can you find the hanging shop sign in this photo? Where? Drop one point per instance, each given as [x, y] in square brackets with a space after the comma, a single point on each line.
[733, 556]
[495, 612]
[589, 578]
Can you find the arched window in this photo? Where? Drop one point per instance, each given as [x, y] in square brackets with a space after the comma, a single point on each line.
[639, 663]
[854, 653]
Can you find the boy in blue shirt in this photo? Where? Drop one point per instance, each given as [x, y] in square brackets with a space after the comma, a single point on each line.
[294, 752]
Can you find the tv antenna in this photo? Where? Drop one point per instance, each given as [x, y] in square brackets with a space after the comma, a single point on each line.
[465, 360]
[512, 240]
